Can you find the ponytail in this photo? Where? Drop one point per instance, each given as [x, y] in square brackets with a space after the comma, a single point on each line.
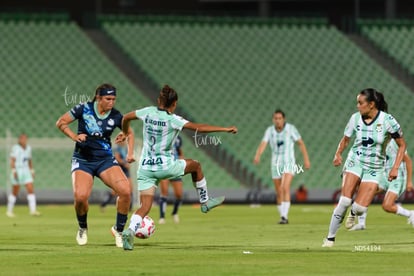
[167, 96]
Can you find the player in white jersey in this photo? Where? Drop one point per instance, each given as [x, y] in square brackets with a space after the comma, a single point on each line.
[22, 173]
[160, 129]
[393, 189]
[365, 164]
[282, 137]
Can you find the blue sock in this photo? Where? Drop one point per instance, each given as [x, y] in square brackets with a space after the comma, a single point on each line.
[163, 206]
[83, 220]
[121, 220]
[177, 204]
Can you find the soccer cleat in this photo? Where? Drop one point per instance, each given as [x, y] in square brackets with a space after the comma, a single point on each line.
[176, 218]
[283, 220]
[411, 218]
[350, 221]
[118, 237]
[10, 214]
[328, 243]
[35, 213]
[357, 227]
[161, 221]
[82, 236]
[128, 239]
[211, 203]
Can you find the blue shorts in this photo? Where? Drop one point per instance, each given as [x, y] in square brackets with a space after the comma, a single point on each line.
[94, 168]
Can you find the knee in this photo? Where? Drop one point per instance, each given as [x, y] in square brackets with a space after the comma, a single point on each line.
[81, 197]
[387, 207]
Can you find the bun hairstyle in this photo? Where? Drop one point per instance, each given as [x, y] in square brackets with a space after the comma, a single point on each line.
[167, 96]
[375, 96]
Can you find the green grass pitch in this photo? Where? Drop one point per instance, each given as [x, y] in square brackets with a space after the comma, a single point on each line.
[230, 240]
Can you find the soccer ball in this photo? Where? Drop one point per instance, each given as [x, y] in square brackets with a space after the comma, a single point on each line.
[146, 229]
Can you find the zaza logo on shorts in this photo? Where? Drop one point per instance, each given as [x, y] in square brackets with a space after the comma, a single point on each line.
[111, 122]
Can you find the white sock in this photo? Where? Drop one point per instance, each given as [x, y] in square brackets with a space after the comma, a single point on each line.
[31, 199]
[202, 192]
[135, 222]
[362, 218]
[402, 211]
[10, 203]
[279, 208]
[338, 215]
[285, 208]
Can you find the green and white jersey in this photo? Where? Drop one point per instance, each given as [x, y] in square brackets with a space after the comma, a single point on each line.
[159, 133]
[282, 144]
[371, 139]
[22, 156]
[391, 154]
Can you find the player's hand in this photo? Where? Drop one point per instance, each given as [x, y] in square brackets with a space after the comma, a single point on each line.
[337, 161]
[393, 174]
[256, 160]
[120, 138]
[80, 138]
[307, 164]
[130, 158]
[232, 129]
[409, 187]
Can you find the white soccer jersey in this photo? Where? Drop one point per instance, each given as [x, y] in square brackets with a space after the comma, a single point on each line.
[282, 144]
[22, 156]
[371, 139]
[159, 133]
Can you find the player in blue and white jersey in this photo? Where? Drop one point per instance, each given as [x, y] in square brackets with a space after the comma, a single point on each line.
[22, 173]
[176, 183]
[393, 189]
[282, 137]
[160, 129]
[93, 157]
[372, 128]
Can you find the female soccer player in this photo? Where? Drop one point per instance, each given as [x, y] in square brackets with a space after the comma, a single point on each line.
[176, 183]
[365, 164]
[393, 189]
[160, 129]
[22, 173]
[93, 157]
[282, 137]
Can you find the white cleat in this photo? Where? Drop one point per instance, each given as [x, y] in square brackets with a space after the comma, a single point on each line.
[35, 214]
[327, 243]
[161, 221]
[118, 237]
[176, 218]
[411, 218]
[357, 227]
[350, 221]
[82, 236]
[10, 214]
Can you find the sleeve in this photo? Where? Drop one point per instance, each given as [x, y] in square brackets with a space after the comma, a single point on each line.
[266, 136]
[178, 122]
[141, 113]
[350, 127]
[295, 134]
[393, 127]
[77, 111]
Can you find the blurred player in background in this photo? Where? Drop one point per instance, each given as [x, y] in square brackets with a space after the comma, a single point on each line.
[93, 156]
[393, 189]
[176, 183]
[160, 129]
[282, 137]
[120, 154]
[22, 173]
[365, 164]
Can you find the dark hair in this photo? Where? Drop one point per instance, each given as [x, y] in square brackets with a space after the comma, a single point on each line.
[102, 87]
[167, 96]
[375, 96]
[280, 111]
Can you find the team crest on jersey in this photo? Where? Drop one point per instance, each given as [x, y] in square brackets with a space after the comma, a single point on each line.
[99, 123]
[378, 128]
[111, 122]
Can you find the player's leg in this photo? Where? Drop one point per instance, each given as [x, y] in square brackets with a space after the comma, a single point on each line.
[163, 184]
[31, 199]
[277, 182]
[364, 197]
[350, 181]
[178, 193]
[118, 182]
[82, 187]
[286, 183]
[200, 183]
[11, 200]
